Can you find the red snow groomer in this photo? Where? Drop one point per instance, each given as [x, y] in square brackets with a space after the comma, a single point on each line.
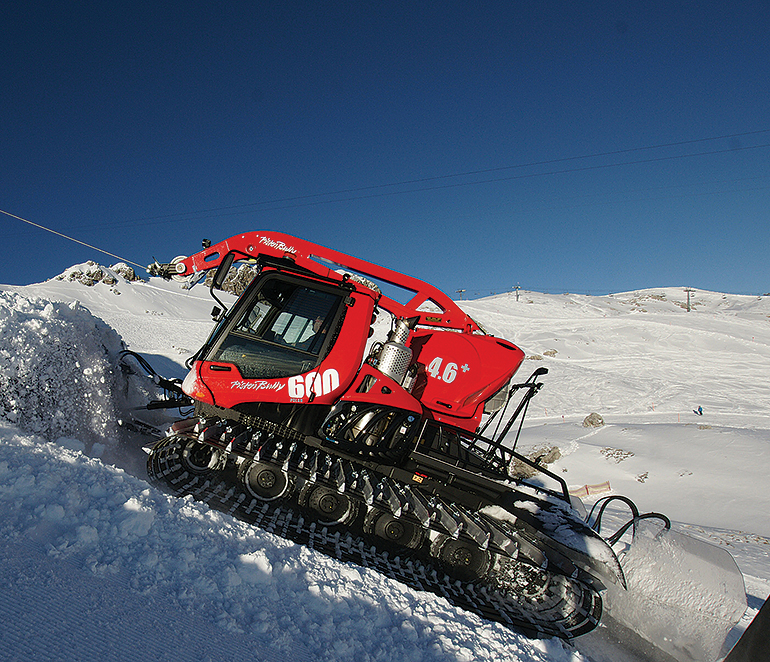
[395, 454]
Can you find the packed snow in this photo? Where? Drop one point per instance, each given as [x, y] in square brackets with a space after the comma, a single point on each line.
[97, 564]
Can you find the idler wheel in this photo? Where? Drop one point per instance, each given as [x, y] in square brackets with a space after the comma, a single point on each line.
[201, 458]
[265, 482]
[333, 507]
[463, 559]
[530, 582]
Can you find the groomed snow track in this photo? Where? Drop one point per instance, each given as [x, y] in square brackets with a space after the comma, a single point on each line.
[528, 599]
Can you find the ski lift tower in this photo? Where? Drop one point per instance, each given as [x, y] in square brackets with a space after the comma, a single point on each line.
[688, 290]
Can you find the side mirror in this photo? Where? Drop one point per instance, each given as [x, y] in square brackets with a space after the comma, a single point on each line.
[222, 270]
[216, 312]
[219, 278]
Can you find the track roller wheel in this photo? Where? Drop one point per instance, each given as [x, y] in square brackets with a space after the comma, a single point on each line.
[263, 481]
[333, 507]
[462, 558]
[393, 529]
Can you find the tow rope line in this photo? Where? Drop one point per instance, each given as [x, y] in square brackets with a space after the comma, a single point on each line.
[77, 241]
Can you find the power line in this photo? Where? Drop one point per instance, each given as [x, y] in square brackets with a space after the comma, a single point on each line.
[235, 210]
[482, 171]
[191, 216]
[220, 212]
[476, 291]
[77, 241]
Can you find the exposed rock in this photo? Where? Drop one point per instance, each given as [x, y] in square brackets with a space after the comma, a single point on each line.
[542, 455]
[88, 276]
[90, 273]
[238, 278]
[124, 271]
[593, 420]
[616, 454]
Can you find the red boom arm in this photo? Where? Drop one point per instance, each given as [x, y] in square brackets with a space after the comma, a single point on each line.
[306, 254]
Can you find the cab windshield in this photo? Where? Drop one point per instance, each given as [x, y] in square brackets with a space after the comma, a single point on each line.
[282, 331]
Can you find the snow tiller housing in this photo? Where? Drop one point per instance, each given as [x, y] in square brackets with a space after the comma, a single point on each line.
[395, 454]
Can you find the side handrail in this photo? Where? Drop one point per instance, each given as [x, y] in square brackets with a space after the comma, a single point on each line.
[532, 387]
[465, 455]
[475, 452]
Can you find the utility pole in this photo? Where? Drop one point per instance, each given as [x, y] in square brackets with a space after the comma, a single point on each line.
[688, 290]
[460, 292]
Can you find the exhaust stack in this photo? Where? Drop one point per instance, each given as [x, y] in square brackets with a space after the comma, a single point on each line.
[394, 357]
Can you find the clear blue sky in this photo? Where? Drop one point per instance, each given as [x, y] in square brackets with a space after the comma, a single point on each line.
[562, 146]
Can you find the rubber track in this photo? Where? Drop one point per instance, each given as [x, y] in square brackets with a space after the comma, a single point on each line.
[567, 608]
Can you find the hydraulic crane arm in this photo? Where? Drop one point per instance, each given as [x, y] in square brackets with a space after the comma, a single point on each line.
[431, 305]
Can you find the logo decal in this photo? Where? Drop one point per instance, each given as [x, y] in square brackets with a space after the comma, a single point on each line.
[445, 373]
[314, 384]
[257, 386]
[278, 245]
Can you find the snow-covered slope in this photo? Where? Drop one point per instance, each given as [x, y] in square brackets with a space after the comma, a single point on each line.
[646, 364]
[642, 352]
[108, 567]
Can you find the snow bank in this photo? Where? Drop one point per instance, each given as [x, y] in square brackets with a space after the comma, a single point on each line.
[58, 370]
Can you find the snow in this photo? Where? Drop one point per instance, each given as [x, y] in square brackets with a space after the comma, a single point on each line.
[96, 564]
[679, 585]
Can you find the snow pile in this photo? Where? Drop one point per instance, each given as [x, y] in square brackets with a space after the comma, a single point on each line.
[58, 370]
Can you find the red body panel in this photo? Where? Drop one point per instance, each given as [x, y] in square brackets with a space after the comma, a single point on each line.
[462, 370]
[372, 386]
[322, 385]
[459, 366]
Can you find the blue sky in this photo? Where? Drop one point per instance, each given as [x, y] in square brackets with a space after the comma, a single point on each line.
[562, 146]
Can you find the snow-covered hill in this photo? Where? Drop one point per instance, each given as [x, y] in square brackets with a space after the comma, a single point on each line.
[107, 567]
